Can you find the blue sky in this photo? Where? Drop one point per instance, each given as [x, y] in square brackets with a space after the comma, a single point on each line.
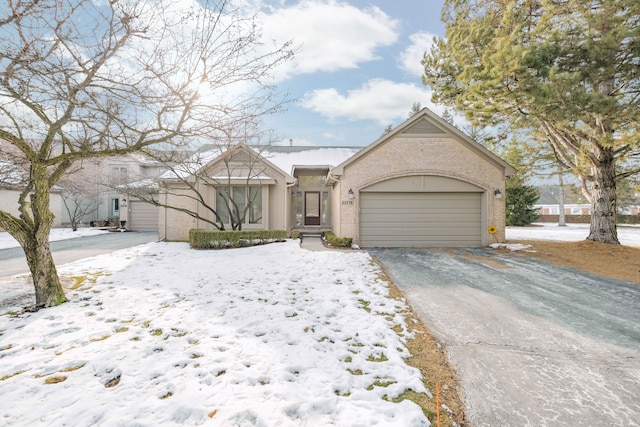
[357, 66]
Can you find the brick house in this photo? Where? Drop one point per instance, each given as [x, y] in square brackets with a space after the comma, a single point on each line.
[423, 184]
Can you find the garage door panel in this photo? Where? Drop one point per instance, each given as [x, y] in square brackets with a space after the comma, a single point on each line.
[420, 219]
[142, 216]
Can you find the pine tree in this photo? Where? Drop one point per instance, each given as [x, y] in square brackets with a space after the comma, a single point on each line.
[520, 199]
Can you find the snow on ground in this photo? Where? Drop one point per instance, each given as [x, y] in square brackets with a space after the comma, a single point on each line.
[628, 235]
[6, 241]
[161, 334]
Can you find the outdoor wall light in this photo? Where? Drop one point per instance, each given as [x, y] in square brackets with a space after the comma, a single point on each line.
[350, 193]
[498, 194]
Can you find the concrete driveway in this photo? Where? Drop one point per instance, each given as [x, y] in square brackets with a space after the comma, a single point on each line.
[534, 344]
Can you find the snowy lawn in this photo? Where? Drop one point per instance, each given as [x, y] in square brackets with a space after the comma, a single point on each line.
[162, 335]
[628, 235]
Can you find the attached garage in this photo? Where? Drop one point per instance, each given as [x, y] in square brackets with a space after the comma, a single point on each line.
[423, 184]
[421, 211]
[142, 216]
[420, 219]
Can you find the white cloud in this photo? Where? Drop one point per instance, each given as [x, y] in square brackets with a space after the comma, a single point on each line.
[381, 100]
[409, 59]
[330, 36]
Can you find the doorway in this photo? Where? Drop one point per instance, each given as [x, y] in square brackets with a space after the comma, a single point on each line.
[312, 208]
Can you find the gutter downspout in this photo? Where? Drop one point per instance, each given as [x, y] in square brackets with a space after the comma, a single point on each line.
[287, 199]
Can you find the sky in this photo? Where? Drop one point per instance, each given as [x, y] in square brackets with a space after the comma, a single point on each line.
[356, 69]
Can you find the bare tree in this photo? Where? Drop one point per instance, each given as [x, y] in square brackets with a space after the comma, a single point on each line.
[81, 79]
[80, 193]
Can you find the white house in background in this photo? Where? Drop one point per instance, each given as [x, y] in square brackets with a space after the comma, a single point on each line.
[98, 180]
[106, 175]
[423, 184]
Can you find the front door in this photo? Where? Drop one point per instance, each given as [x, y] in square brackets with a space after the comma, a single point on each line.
[312, 208]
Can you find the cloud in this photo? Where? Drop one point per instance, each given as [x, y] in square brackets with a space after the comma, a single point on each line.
[381, 100]
[409, 59]
[329, 36]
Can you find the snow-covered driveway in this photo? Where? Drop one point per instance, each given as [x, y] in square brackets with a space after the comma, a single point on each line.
[534, 344]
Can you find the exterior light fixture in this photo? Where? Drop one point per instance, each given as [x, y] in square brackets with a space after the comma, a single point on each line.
[498, 194]
[350, 193]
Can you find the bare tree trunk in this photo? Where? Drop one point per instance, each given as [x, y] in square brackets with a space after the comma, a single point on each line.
[47, 285]
[36, 246]
[603, 199]
[561, 218]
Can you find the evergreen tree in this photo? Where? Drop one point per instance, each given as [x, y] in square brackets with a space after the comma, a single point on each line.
[520, 199]
[565, 73]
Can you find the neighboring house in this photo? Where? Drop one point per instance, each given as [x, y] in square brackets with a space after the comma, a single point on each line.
[576, 206]
[102, 178]
[548, 204]
[11, 186]
[422, 184]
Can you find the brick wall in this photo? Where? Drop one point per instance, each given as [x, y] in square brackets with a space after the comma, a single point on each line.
[410, 155]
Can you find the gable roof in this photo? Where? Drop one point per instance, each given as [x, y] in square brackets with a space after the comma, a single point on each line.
[428, 123]
[209, 156]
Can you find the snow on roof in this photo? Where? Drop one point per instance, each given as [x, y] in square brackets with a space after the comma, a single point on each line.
[284, 158]
[288, 157]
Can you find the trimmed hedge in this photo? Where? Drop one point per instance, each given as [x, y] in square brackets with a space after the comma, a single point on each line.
[338, 242]
[205, 239]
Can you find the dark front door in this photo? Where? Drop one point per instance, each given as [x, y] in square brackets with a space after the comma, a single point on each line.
[312, 208]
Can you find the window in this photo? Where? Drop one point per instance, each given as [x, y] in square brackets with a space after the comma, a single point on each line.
[120, 174]
[312, 181]
[245, 203]
[115, 207]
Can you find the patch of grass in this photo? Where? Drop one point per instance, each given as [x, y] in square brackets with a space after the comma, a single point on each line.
[102, 338]
[365, 305]
[112, 382]
[348, 359]
[72, 368]
[424, 402]
[78, 281]
[156, 332]
[178, 333]
[6, 377]
[355, 371]
[55, 379]
[127, 321]
[122, 329]
[374, 358]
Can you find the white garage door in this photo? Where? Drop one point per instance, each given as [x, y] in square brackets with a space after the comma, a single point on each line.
[142, 216]
[420, 219]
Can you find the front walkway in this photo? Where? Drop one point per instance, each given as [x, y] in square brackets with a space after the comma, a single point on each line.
[313, 243]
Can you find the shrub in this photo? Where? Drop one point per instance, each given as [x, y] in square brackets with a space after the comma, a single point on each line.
[339, 242]
[204, 239]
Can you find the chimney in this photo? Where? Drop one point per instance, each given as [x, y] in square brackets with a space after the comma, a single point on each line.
[290, 142]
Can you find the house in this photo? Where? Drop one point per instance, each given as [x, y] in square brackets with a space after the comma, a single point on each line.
[92, 192]
[423, 184]
[577, 209]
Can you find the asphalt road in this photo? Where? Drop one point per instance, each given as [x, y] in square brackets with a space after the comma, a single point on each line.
[12, 260]
[533, 344]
